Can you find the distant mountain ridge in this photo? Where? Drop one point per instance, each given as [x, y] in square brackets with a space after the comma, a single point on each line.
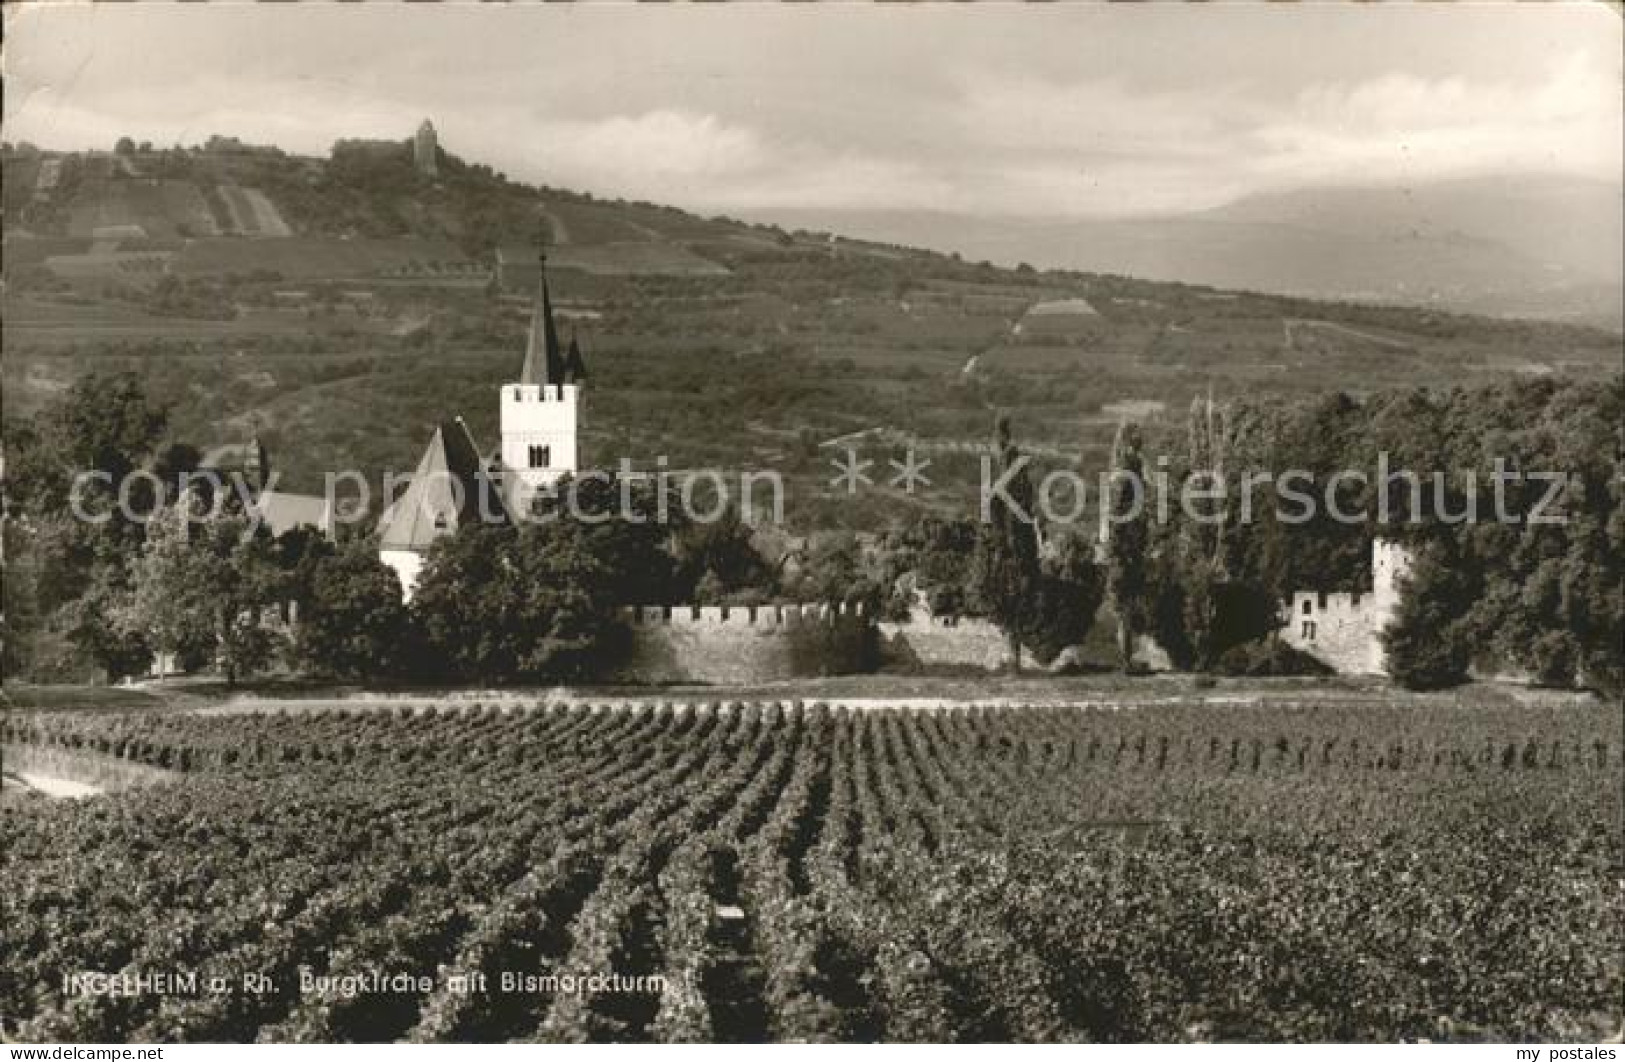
[1510, 246]
[1569, 227]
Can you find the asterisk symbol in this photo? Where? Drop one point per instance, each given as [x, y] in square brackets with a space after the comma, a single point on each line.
[851, 471]
[910, 471]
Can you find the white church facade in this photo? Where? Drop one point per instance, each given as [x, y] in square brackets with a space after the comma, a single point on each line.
[539, 427]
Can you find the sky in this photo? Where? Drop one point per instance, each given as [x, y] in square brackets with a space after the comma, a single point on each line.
[1060, 110]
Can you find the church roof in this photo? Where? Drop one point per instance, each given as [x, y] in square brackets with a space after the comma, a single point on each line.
[448, 489]
[544, 362]
[281, 511]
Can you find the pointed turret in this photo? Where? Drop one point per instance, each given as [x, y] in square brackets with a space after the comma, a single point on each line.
[544, 364]
[575, 368]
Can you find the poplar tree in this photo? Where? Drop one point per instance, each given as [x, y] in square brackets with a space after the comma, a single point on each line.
[1007, 558]
[1126, 531]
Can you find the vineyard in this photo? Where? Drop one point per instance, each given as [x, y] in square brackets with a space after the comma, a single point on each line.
[747, 873]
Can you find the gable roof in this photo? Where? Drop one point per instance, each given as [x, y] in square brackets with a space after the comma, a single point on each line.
[448, 489]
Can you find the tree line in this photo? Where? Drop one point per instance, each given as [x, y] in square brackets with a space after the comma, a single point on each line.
[539, 600]
[1521, 575]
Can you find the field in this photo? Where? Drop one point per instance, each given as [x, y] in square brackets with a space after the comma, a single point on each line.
[794, 873]
[303, 258]
[153, 208]
[636, 257]
[247, 211]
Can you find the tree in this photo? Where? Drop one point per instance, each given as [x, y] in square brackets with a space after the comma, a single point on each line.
[623, 525]
[1071, 587]
[1191, 566]
[1127, 531]
[90, 624]
[1044, 598]
[834, 572]
[1202, 542]
[170, 602]
[353, 625]
[103, 423]
[1007, 565]
[20, 618]
[539, 601]
[299, 555]
[1426, 644]
[723, 548]
[69, 572]
[499, 603]
[943, 553]
[202, 587]
[462, 598]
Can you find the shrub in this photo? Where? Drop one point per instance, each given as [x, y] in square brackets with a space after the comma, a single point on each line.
[1268, 657]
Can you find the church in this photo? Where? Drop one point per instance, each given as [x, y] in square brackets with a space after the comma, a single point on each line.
[453, 484]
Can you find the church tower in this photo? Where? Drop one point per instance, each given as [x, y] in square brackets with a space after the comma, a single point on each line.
[539, 413]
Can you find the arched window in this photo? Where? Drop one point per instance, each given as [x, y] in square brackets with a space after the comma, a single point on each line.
[1309, 630]
[540, 456]
[1308, 607]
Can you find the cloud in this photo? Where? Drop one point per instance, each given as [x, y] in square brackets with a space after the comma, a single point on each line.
[1400, 126]
[923, 108]
[812, 177]
[1099, 116]
[653, 148]
[1103, 147]
[707, 162]
[1019, 145]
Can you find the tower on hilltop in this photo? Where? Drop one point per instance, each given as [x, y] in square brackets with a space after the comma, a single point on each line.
[425, 150]
[539, 413]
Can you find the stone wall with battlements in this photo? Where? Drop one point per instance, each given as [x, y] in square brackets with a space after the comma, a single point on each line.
[720, 644]
[939, 641]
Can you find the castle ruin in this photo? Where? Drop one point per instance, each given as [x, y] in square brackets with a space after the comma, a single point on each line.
[1344, 630]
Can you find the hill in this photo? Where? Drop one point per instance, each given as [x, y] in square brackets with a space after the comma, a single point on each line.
[343, 305]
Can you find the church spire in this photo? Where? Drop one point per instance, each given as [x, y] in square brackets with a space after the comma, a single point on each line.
[544, 364]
